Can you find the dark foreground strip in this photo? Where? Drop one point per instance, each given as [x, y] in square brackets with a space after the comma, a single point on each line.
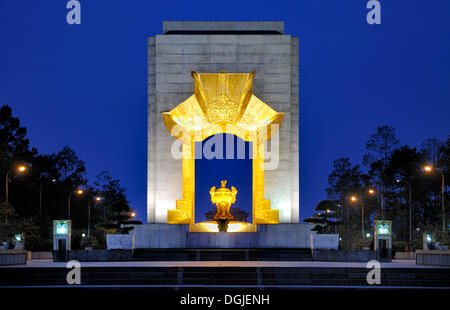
[243, 287]
[227, 298]
[275, 277]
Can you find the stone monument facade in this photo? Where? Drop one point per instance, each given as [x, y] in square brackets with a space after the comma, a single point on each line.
[210, 47]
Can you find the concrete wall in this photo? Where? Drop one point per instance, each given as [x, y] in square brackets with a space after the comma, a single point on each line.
[324, 241]
[100, 255]
[41, 255]
[405, 255]
[178, 236]
[433, 257]
[343, 256]
[13, 257]
[120, 241]
[171, 57]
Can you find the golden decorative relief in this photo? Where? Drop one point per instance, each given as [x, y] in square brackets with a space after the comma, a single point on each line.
[223, 109]
[222, 103]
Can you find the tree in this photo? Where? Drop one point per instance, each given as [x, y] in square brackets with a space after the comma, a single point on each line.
[13, 141]
[325, 218]
[14, 145]
[403, 174]
[119, 220]
[445, 151]
[344, 179]
[11, 223]
[398, 176]
[110, 190]
[380, 145]
[404, 163]
[379, 148]
[432, 149]
[328, 207]
[119, 215]
[47, 182]
[436, 153]
[70, 167]
[109, 187]
[378, 151]
[6, 211]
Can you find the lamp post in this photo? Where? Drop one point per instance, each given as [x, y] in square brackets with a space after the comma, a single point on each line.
[43, 176]
[382, 204]
[78, 192]
[19, 169]
[429, 169]
[410, 209]
[372, 191]
[354, 198]
[96, 199]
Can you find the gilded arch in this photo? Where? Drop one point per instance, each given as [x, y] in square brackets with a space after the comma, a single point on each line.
[222, 103]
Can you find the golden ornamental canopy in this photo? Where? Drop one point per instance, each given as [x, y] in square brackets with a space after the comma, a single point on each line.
[223, 103]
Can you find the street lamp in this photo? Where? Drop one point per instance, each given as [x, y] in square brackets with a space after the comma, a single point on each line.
[19, 169]
[78, 192]
[372, 191]
[42, 178]
[428, 169]
[354, 198]
[96, 200]
[410, 209]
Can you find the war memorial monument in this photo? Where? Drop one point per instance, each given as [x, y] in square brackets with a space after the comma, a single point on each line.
[209, 78]
[207, 82]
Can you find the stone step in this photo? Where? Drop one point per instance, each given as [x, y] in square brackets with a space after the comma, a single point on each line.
[237, 276]
[223, 255]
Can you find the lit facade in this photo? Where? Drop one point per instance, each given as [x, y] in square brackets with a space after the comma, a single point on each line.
[269, 96]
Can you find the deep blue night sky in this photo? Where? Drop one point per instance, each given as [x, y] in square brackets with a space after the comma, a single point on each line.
[86, 85]
[237, 172]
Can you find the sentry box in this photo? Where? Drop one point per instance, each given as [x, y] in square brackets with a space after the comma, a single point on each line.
[62, 230]
[383, 240]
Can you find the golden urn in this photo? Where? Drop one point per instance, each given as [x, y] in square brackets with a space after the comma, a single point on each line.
[223, 198]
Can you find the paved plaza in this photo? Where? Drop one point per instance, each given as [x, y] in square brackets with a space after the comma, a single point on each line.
[406, 264]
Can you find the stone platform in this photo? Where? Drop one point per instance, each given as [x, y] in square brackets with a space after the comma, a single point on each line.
[163, 236]
[225, 275]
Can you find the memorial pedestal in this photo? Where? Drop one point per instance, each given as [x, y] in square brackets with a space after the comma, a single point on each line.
[154, 236]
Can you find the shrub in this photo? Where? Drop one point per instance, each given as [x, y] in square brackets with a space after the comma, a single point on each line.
[360, 243]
